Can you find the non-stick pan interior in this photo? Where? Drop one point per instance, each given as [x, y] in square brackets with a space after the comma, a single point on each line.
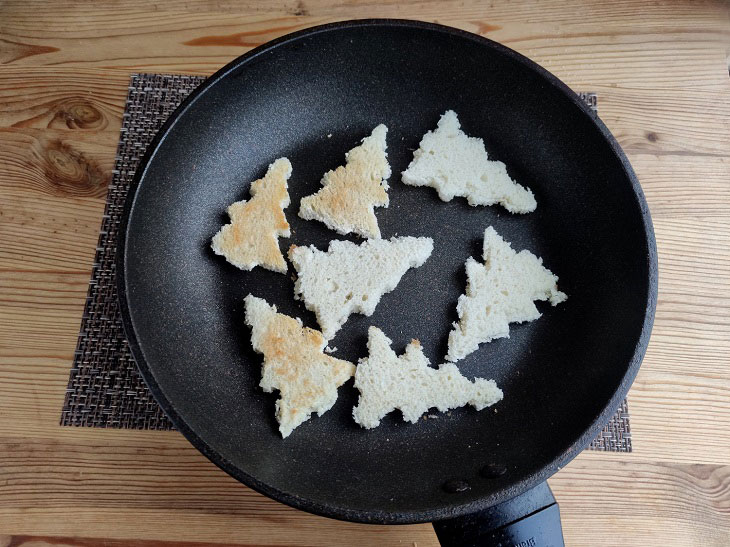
[311, 99]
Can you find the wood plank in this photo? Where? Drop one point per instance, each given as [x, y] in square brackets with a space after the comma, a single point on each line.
[676, 122]
[57, 162]
[548, 12]
[149, 488]
[57, 541]
[656, 50]
[49, 98]
[643, 503]
[54, 184]
[680, 403]
[166, 484]
[684, 186]
[77, 164]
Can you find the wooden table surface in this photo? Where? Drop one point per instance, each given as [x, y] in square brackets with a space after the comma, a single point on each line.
[660, 69]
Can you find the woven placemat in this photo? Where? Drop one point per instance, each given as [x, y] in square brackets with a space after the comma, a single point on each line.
[105, 388]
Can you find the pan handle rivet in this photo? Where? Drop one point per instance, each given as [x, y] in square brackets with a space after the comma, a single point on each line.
[455, 485]
[492, 470]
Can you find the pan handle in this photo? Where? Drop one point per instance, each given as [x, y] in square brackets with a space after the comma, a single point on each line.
[531, 519]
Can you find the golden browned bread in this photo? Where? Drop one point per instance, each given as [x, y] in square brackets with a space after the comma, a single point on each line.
[294, 363]
[349, 194]
[252, 237]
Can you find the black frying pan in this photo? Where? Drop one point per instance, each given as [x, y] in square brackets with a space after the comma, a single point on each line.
[563, 375]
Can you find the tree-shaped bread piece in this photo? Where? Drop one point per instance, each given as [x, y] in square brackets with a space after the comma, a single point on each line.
[349, 193]
[388, 382]
[252, 237]
[294, 364]
[458, 165]
[350, 278]
[499, 292]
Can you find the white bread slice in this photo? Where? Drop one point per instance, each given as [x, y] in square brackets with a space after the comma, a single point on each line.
[252, 237]
[499, 292]
[458, 165]
[306, 378]
[351, 278]
[387, 382]
[349, 194]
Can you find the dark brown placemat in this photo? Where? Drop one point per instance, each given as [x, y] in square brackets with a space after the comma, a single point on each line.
[105, 388]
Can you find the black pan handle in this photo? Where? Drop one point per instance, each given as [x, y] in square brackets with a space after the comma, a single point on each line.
[531, 519]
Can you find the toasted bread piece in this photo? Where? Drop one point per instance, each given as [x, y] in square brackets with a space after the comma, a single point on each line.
[499, 292]
[387, 382]
[252, 237]
[458, 165]
[294, 363]
[349, 193]
[351, 278]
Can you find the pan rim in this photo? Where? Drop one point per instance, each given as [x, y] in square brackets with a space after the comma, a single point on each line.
[449, 510]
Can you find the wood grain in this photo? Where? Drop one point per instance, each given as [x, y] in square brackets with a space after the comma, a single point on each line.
[661, 73]
[689, 500]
